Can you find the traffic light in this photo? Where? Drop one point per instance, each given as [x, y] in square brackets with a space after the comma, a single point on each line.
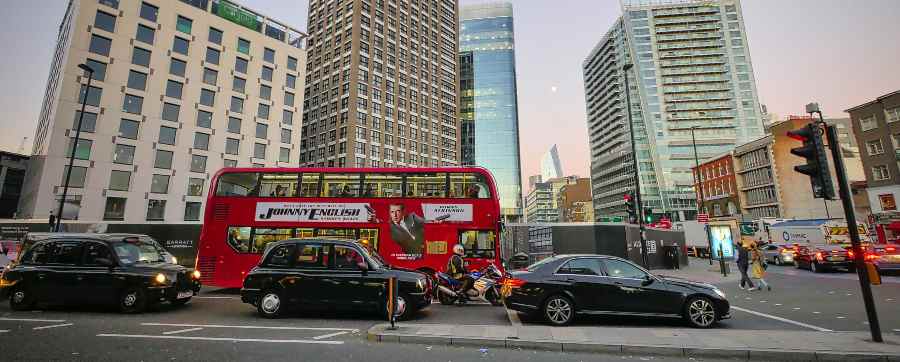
[648, 215]
[629, 208]
[816, 167]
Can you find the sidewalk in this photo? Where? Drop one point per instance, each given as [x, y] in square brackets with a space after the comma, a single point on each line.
[689, 343]
[699, 270]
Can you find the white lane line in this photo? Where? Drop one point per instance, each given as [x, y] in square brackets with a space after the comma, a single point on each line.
[4, 330]
[817, 312]
[777, 304]
[777, 318]
[251, 327]
[897, 330]
[219, 339]
[329, 335]
[513, 318]
[796, 308]
[199, 297]
[183, 331]
[840, 317]
[33, 320]
[53, 326]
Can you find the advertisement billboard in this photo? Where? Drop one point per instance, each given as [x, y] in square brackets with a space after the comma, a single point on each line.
[722, 240]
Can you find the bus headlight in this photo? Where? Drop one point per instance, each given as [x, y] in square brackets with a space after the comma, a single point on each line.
[160, 278]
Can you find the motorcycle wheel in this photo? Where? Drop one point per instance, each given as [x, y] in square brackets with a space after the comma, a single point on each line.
[445, 299]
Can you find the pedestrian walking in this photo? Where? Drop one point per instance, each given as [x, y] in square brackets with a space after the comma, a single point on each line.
[759, 267]
[743, 263]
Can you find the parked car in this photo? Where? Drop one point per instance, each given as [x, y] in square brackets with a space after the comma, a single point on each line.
[329, 273]
[822, 258]
[561, 287]
[887, 258]
[31, 238]
[73, 268]
[779, 254]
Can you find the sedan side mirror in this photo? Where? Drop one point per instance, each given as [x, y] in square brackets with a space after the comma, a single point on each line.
[647, 280]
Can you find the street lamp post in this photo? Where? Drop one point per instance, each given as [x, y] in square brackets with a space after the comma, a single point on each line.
[637, 178]
[62, 200]
[700, 190]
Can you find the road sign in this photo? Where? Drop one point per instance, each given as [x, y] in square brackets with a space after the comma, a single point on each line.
[703, 218]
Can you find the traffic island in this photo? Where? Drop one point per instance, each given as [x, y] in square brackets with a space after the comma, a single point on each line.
[756, 345]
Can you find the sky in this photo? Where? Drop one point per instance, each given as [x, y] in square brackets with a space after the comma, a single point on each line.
[839, 53]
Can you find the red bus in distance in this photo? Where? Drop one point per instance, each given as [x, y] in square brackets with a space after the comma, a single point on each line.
[411, 217]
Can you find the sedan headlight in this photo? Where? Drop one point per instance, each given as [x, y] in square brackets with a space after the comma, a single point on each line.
[719, 293]
[195, 274]
[160, 278]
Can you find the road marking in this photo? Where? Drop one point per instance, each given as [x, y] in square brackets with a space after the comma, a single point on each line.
[777, 318]
[762, 301]
[889, 300]
[33, 320]
[251, 327]
[219, 339]
[777, 304]
[4, 330]
[198, 297]
[796, 308]
[897, 330]
[817, 312]
[831, 292]
[849, 294]
[513, 318]
[840, 317]
[329, 335]
[53, 326]
[183, 331]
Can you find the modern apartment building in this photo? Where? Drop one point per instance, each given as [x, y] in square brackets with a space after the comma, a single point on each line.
[179, 89]
[690, 69]
[488, 103]
[382, 84]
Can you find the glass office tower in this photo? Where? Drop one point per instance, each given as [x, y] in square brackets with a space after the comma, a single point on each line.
[489, 114]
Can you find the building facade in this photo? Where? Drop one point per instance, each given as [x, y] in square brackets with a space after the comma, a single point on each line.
[691, 70]
[542, 202]
[489, 119]
[551, 168]
[716, 185]
[13, 167]
[755, 177]
[574, 201]
[382, 84]
[179, 90]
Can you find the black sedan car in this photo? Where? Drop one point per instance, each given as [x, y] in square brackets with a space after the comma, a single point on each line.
[314, 274]
[72, 268]
[563, 286]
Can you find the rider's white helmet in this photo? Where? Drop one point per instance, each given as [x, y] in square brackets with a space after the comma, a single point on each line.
[458, 249]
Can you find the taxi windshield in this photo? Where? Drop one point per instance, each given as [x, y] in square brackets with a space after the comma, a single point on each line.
[374, 257]
[138, 252]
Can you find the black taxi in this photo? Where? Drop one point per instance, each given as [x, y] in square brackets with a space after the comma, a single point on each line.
[337, 274]
[112, 269]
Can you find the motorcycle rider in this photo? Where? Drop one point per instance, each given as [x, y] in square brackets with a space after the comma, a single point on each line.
[457, 270]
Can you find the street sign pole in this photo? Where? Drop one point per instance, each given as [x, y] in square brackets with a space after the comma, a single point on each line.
[859, 257]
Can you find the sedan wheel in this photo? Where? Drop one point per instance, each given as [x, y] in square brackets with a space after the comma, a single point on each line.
[700, 312]
[21, 299]
[559, 310]
[270, 305]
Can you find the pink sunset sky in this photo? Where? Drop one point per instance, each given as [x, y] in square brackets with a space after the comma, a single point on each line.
[838, 53]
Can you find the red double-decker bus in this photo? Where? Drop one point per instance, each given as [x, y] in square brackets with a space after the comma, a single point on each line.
[412, 217]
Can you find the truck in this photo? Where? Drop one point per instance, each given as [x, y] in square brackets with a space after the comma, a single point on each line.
[815, 231]
[695, 237]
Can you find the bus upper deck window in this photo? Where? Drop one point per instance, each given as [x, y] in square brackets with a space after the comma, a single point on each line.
[340, 185]
[383, 185]
[278, 185]
[426, 185]
[238, 184]
[309, 185]
[468, 186]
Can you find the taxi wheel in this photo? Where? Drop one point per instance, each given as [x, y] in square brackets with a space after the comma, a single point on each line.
[132, 301]
[21, 299]
[270, 304]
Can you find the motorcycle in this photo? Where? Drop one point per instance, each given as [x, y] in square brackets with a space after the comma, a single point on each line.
[486, 286]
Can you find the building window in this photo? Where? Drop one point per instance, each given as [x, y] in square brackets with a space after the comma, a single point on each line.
[159, 184]
[128, 129]
[156, 209]
[192, 211]
[204, 119]
[198, 163]
[868, 123]
[259, 150]
[119, 180]
[195, 186]
[140, 57]
[212, 56]
[88, 123]
[238, 85]
[237, 105]
[874, 147]
[115, 208]
[240, 65]
[287, 117]
[183, 24]
[284, 155]
[266, 73]
[93, 96]
[243, 46]
[215, 36]
[173, 89]
[177, 67]
[263, 111]
[234, 125]
[170, 112]
[163, 160]
[285, 135]
[229, 163]
[79, 174]
[137, 80]
[167, 135]
[268, 55]
[207, 97]
[124, 154]
[892, 114]
[201, 141]
[292, 63]
[132, 104]
[289, 99]
[100, 45]
[149, 12]
[291, 81]
[232, 146]
[880, 173]
[83, 151]
[265, 92]
[145, 34]
[105, 21]
[180, 46]
[99, 69]
[262, 130]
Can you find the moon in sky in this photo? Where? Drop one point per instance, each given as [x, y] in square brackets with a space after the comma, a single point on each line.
[553, 89]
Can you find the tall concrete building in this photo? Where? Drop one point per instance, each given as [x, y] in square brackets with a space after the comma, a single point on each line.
[488, 104]
[551, 168]
[382, 84]
[691, 69]
[180, 89]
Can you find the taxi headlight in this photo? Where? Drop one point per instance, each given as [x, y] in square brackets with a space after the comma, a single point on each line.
[174, 260]
[420, 283]
[160, 278]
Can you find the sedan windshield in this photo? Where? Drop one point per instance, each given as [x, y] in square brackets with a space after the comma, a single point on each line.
[138, 252]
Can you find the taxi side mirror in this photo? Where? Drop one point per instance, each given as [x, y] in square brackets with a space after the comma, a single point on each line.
[104, 262]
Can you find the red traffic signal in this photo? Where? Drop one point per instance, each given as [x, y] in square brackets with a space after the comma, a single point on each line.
[816, 166]
[627, 197]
